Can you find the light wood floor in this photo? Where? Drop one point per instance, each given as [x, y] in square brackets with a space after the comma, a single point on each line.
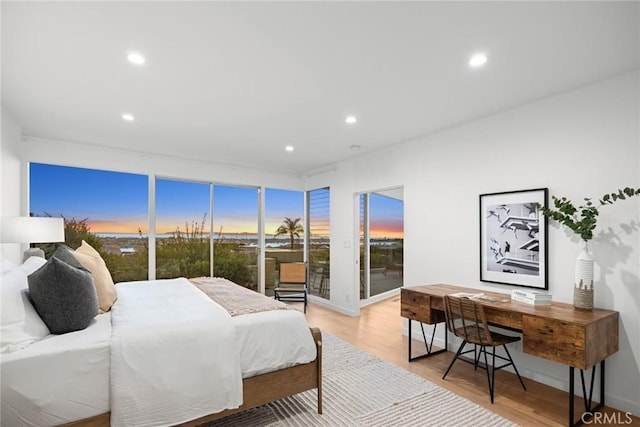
[378, 330]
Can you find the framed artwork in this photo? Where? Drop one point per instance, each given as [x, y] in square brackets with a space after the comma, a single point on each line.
[513, 238]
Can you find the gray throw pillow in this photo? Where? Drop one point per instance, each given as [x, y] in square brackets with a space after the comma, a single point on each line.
[66, 254]
[64, 296]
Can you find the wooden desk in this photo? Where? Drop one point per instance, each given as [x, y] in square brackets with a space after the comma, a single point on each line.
[557, 332]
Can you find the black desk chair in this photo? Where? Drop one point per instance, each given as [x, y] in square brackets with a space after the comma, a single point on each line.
[466, 319]
[292, 283]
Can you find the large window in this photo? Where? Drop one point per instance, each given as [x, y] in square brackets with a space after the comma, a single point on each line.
[318, 237]
[195, 223]
[284, 230]
[183, 221]
[106, 209]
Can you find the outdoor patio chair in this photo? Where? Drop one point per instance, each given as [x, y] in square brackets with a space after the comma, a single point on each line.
[292, 283]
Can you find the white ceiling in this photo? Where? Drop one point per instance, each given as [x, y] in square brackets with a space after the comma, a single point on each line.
[236, 82]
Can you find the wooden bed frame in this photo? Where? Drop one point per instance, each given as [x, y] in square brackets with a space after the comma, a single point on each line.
[257, 390]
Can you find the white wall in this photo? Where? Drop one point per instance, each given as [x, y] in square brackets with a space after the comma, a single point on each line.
[10, 202]
[578, 144]
[343, 254]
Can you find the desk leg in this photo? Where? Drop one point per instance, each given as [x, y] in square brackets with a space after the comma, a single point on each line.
[571, 394]
[588, 410]
[428, 346]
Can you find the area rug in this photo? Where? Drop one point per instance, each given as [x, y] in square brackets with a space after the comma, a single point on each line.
[361, 390]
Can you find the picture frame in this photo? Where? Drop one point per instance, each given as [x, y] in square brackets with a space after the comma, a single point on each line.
[513, 238]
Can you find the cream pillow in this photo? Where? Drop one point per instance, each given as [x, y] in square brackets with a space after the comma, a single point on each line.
[92, 261]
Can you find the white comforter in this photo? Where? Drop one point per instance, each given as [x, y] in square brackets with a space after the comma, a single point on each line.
[173, 355]
[273, 340]
[59, 379]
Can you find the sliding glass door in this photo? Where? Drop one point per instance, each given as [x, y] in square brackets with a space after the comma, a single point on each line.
[284, 232]
[381, 241]
[235, 234]
[185, 236]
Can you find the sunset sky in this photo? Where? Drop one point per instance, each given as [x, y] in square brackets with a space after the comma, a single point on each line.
[114, 202]
[385, 217]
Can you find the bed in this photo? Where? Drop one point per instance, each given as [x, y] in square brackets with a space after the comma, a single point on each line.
[104, 374]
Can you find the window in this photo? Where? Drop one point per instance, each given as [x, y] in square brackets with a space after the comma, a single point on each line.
[183, 235]
[235, 228]
[109, 210]
[201, 229]
[318, 241]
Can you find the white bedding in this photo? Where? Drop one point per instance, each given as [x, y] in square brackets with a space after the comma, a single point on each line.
[64, 378]
[273, 340]
[173, 356]
[59, 379]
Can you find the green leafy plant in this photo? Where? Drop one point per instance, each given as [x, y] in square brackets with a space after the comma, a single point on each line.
[582, 220]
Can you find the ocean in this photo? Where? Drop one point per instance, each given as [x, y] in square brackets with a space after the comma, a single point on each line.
[240, 236]
[272, 242]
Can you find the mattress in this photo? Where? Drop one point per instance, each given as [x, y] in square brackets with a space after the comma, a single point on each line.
[58, 379]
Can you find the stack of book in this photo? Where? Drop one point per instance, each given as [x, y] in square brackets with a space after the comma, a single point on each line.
[530, 297]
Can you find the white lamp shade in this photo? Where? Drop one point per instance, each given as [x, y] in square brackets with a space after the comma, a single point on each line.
[25, 229]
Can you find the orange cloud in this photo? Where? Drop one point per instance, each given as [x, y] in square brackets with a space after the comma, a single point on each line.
[381, 229]
[380, 234]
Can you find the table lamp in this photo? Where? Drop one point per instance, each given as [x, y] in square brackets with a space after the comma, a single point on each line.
[30, 229]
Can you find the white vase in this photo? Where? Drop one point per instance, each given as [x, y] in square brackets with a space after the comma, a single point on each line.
[583, 282]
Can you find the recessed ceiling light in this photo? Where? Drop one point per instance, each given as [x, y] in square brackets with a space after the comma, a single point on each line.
[351, 119]
[478, 60]
[128, 117]
[136, 58]
[289, 148]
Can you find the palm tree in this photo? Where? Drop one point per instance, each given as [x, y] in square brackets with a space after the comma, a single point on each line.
[292, 227]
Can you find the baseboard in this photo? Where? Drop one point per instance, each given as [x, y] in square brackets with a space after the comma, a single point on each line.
[377, 298]
[623, 404]
[327, 304]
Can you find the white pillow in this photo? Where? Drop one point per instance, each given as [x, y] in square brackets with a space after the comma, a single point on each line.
[5, 265]
[20, 325]
[32, 264]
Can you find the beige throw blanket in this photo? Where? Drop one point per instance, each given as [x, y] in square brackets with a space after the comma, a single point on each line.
[234, 298]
